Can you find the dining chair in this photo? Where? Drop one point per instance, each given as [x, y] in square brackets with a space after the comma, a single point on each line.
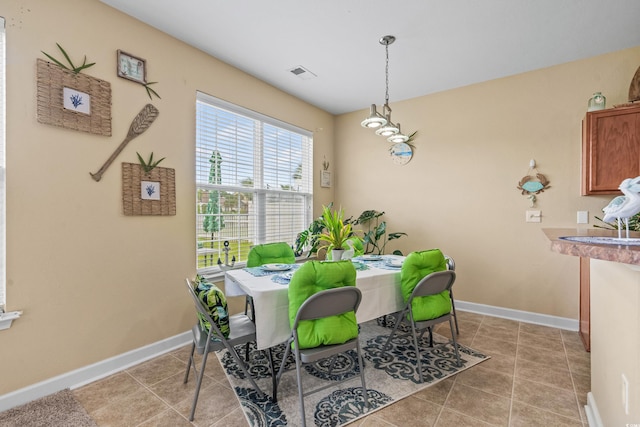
[433, 287]
[451, 265]
[208, 336]
[267, 253]
[323, 301]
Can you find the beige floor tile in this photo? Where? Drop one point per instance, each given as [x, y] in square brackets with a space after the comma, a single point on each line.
[540, 341]
[157, 369]
[469, 316]
[475, 403]
[502, 334]
[546, 397]
[372, 421]
[579, 363]
[547, 357]
[410, 412]
[523, 415]
[168, 418]
[129, 410]
[582, 384]
[173, 390]
[436, 393]
[235, 419]
[500, 363]
[487, 380]
[554, 375]
[543, 331]
[105, 391]
[212, 405]
[449, 418]
[489, 345]
[500, 323]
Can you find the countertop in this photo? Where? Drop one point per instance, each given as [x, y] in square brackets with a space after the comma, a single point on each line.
[627, 254]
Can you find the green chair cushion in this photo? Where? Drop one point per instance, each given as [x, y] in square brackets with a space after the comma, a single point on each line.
[215, 302]
[313, 277]
[271, 253]
[416, 266]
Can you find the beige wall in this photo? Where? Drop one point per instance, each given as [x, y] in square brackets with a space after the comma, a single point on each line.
[459, 191]
[93, 283]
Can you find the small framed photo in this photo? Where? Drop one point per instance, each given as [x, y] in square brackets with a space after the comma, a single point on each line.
[132, 68]
[325, 179]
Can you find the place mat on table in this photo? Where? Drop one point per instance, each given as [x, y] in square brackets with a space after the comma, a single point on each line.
[261, 272]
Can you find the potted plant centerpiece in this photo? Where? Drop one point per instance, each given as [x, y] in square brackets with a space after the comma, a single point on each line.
[336, 232]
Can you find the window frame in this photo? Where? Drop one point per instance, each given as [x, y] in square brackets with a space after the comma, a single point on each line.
[292, 199]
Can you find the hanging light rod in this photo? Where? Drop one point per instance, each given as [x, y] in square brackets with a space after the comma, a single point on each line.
[382, 121]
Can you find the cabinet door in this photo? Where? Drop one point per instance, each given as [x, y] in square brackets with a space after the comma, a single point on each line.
[610, 149]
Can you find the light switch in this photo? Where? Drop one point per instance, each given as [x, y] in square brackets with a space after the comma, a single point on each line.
[533, 216]
[583, 217]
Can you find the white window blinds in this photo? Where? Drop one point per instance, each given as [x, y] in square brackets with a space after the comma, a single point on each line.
[254, 181]
[3, 245]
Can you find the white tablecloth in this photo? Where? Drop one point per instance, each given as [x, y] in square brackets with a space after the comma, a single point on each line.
[380, 295]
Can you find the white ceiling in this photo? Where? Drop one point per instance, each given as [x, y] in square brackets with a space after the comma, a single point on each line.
[440, 44]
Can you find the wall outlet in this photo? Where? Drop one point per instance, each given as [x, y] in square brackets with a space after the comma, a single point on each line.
[533, 216]
[625, 394]
[583, 217]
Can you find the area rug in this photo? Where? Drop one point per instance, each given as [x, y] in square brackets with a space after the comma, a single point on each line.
[60, 409]
[390, 376]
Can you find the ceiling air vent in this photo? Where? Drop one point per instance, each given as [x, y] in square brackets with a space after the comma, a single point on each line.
[302, 73]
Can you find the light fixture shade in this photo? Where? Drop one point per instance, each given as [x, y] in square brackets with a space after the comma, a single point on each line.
[374, 120]
[398, 136]
[388, 129]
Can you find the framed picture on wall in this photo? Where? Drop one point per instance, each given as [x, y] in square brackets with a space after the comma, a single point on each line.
[325, 179]
[131, 67]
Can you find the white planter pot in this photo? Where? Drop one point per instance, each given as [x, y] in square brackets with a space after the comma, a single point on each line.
[336, 254]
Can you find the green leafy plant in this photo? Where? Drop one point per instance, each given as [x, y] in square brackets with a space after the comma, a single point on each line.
[337, 231]
[376, 236]
[149, 165]
[634, 223]
[71, 66]
[150, 91]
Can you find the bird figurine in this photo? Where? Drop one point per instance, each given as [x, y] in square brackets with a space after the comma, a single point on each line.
[624, 207]
[349, 253]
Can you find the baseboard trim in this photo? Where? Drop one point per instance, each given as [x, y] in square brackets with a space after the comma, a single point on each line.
[519, 315]
[96, 371]
[591, 409]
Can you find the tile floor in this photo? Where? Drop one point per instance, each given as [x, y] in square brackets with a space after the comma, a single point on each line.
[537, 376]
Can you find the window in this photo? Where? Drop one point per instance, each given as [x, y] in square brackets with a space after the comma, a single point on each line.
[254, 181]
[3, 299]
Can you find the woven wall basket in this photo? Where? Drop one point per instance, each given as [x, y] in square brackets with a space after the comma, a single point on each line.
[133, 204]
[52, 79]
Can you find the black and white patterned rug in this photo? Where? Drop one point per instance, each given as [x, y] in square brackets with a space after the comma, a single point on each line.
[390, 376]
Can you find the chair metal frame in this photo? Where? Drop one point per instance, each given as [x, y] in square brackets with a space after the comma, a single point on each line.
[451, 265]
[330, 302]
[242, 331]
[431, 284]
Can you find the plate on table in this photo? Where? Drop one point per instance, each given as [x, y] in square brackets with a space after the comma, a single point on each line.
[370, 257]
[276, 267]
[394, 262]
[287, 276]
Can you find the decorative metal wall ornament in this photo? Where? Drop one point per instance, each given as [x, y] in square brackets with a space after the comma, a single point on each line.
[533, 183]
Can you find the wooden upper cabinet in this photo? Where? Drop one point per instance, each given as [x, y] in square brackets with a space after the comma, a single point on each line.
[610, 149]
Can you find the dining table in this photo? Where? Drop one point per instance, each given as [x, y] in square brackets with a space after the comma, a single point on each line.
[377, 277]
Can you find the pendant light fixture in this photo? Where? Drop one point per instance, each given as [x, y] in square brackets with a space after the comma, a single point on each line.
[382, 122]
